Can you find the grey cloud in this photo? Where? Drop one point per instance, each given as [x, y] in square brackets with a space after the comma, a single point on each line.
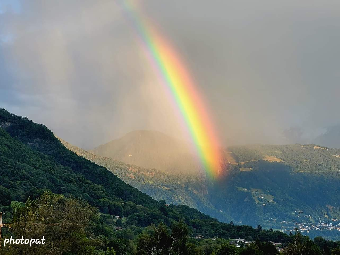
[262, 66]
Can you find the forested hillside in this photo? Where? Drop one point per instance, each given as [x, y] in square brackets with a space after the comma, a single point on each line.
[308, 158]
[279, 187]
[33, 160]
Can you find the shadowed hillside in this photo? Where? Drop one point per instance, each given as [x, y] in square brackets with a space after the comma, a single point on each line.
[277, 186]
[32, 159]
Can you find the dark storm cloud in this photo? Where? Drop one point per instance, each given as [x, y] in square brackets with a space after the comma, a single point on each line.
[263, 66]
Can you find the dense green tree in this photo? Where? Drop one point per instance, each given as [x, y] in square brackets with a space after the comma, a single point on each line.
[259, 248]
[179, 235]
[252, 249]
[267, 248]
[157, 241]
[325, 246]
[5, 196]
[302, 245]
[160, 240]
[336, 251]
[227, 249]
[64, 223]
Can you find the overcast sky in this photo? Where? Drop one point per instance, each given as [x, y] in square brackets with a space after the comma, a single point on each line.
[269, 70]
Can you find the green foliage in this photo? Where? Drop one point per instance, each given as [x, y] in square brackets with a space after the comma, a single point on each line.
[63, 222]
[336, 251]
[179, 236]
[305, 179]
[32, 160]
[5, 197]
[159, 240]
[302, 245]
[227, 249]
[326, 246]
[301, 158]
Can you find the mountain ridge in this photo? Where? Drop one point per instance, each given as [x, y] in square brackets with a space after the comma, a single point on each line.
[152, 149]
[32, 159]
[281, 178]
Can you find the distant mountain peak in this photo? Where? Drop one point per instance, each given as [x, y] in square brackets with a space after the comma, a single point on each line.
[152, 149]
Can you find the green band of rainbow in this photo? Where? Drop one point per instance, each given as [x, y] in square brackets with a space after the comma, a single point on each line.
[178, 82]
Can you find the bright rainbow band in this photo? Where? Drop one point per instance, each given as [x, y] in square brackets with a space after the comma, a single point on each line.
[177, 81]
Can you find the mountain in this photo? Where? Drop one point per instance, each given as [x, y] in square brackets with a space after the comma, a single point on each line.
[32, 159]
[330, 138]
[308, 158]
[276, 186]
[174, 189]
[151, 149]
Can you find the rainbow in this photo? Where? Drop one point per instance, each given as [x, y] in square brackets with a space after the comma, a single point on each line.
[177, 81]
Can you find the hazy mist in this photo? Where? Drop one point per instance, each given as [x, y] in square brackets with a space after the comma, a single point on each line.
[268, 70]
